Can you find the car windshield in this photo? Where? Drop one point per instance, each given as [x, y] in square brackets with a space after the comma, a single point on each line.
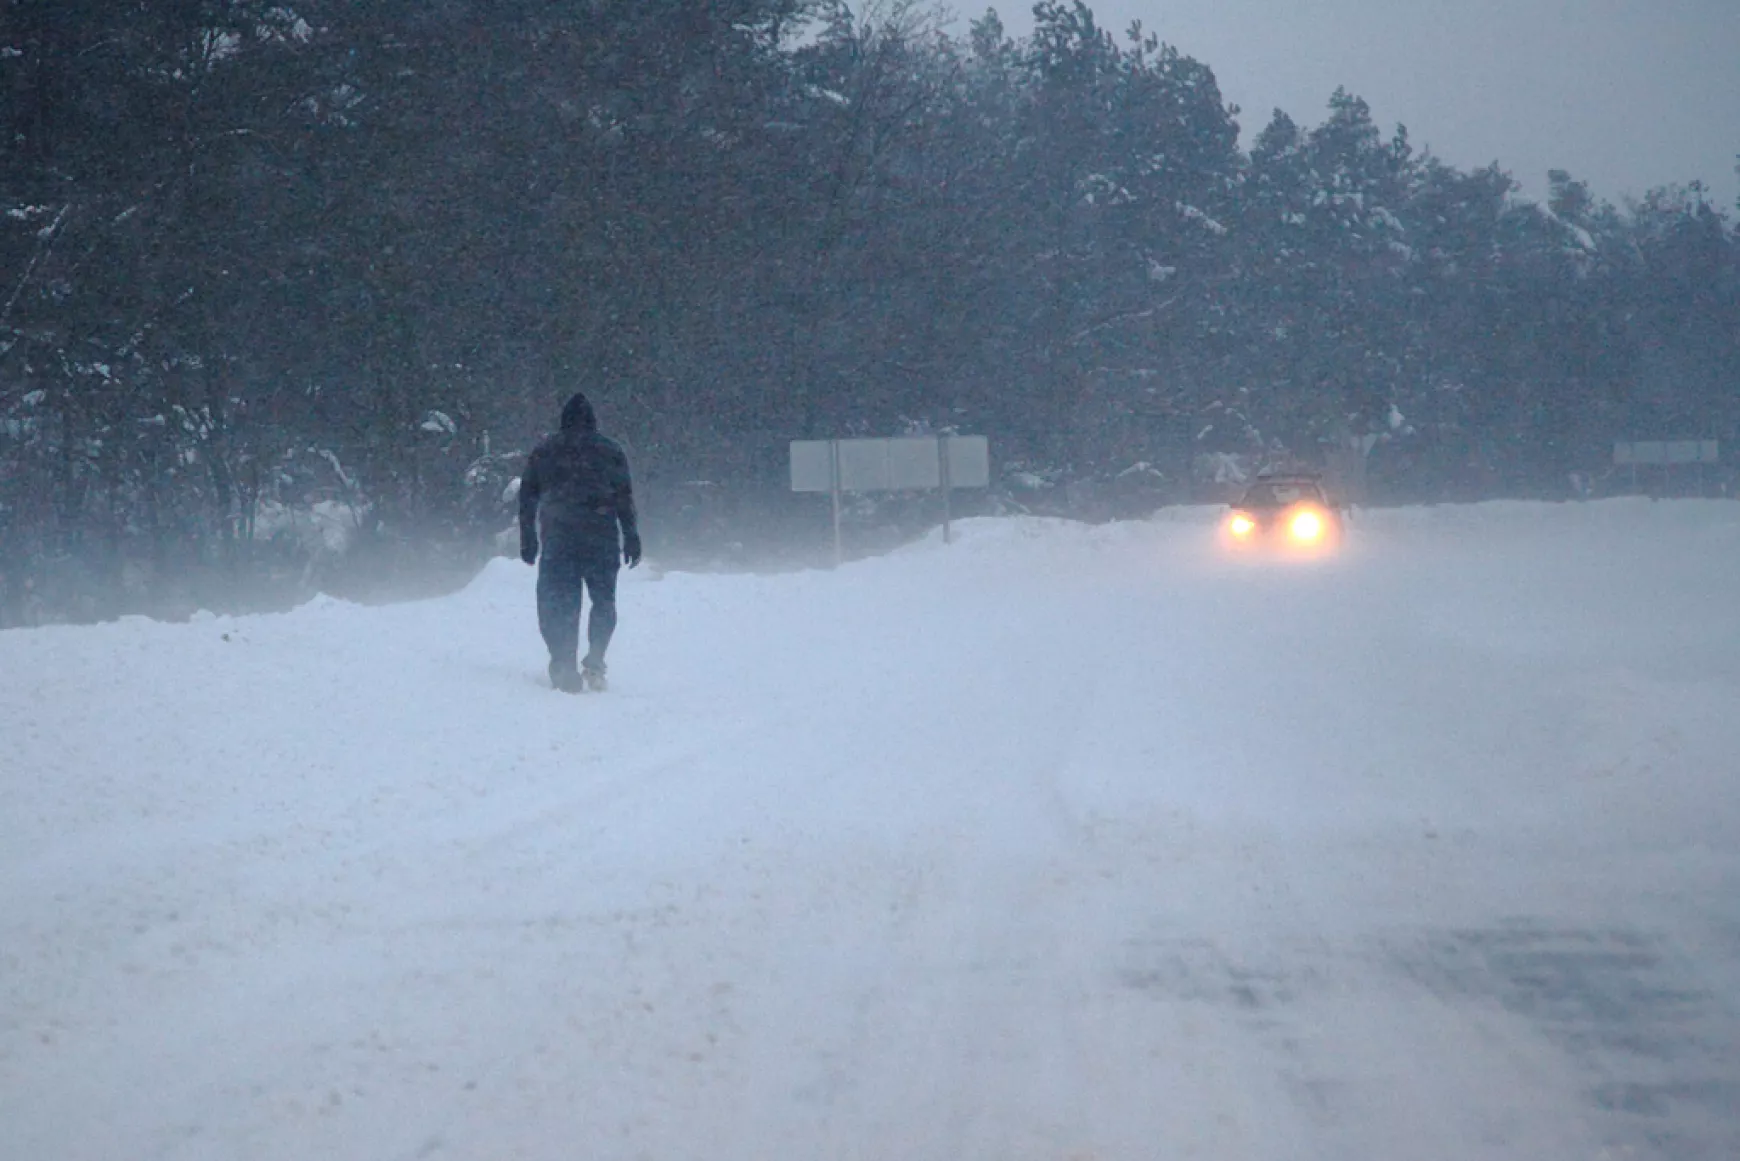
[1278, 494]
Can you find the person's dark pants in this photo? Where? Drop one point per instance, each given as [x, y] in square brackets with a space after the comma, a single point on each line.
[563, 578]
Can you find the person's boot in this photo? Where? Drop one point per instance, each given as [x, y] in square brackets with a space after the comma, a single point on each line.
[564, 677]
[594, 680]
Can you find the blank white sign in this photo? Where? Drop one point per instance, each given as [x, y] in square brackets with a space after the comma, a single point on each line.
[812, 466]
[864, 465]
[1686, 451]
[969, 461]
[884, 465]
[914, 463]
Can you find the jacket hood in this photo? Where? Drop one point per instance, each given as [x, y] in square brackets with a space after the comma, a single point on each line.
[577, 415]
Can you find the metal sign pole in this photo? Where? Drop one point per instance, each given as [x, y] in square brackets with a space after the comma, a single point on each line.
[834, 466]
[942, 451]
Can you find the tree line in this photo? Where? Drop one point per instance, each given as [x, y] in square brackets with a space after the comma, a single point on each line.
[278, 279]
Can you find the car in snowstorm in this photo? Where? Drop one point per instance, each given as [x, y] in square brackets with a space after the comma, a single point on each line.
[1289, 513]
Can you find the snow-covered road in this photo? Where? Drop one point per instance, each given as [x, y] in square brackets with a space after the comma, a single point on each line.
[1062, 843]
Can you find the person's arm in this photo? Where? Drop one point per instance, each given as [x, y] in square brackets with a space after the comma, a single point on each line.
[622, 499]
[529, 488]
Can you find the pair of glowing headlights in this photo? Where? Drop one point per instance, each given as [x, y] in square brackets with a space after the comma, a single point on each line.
[1306, 526]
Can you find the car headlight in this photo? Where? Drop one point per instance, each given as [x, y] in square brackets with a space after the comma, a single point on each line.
[1306, 527]
[1241, 525]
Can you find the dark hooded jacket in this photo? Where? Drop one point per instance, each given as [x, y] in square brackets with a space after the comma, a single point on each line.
[575, 492]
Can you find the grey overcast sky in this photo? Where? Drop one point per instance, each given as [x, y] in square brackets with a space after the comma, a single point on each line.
[1626, 94]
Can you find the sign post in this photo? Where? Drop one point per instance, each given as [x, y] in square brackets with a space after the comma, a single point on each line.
[920, 463]
[942, 457]
[834, 487]
[1666, 454]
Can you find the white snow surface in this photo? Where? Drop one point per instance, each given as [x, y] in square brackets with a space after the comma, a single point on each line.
[1061, 842]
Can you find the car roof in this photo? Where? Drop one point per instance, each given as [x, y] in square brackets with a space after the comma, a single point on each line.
[1261, 489]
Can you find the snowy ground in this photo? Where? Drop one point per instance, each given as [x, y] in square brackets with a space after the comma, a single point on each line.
[1061, 843]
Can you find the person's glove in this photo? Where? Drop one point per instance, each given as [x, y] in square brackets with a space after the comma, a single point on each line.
[529, 551]
[631, 549]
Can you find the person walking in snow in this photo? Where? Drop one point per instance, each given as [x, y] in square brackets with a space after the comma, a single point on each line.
[575, 498]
